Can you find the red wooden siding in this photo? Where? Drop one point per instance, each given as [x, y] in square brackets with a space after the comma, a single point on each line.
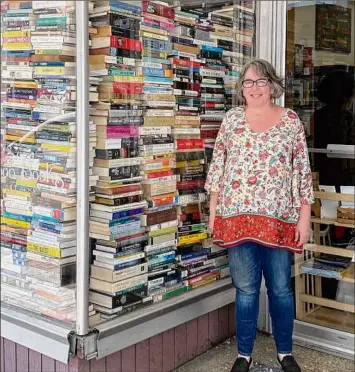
[203, 342]
[161, 353]
[156, 353]
[22, 359]
[142, 356]
[168, 350]
[191, 339]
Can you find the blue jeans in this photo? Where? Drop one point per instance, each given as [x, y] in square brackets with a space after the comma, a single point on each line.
[247, 263]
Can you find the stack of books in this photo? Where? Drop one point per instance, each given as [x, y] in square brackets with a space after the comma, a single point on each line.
[212, 96]
[118, 279]
[53, 227]
[189, 145]
[157, 149]
[40, 199]
[18, 96]
[224, 29]
[244, 25]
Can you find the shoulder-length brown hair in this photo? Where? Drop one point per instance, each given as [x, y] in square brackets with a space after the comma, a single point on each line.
[265, 69]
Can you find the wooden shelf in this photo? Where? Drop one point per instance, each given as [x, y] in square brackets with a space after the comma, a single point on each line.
[330, 250]
[328, 303]
[334, 196]
[331, 318]
[329, 221]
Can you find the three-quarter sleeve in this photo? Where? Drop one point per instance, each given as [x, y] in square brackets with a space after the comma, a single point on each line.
[216, 169]
[302, 184]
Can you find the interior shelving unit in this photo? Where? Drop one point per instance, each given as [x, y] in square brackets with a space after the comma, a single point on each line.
[310, 305]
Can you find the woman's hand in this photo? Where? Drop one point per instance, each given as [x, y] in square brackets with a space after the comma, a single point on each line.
[303, 228]
[213, 206]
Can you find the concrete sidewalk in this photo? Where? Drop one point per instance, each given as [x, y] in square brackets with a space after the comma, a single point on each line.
[221, 359]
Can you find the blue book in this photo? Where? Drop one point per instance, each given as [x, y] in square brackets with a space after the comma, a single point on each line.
[124, 6]
[17, 216]
[212, 48]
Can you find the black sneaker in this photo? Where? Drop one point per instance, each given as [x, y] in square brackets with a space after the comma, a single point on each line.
[289, 364]
[242, 365]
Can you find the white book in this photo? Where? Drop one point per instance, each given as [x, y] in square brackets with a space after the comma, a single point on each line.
[328, 207]
[348, 190]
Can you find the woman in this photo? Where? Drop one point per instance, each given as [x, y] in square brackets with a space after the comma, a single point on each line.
[261, 191]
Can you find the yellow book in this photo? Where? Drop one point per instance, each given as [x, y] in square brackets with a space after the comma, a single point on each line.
[43, 249]
[158, 169]
[17, 138]
[13, 222]
[25, 84]
[53, 70]
[17, 193]
[155, 36]
[117, 101]
[50, 146]
[147, 53]
[192, 238]
[52, 167]
[136, 79]
[156, 233]
[17, 46]
[17, 33]
[26, 183]
[205, 282]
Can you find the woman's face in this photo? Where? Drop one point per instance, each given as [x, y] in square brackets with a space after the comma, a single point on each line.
[256, 89]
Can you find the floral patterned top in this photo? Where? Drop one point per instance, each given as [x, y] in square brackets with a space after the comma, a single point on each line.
[262, 179]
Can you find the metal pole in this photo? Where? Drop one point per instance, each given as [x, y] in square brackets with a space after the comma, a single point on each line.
[82, 167]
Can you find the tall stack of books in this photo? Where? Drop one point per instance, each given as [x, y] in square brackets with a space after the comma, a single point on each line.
[119, 272]
[212, 96]
[157, 149]
[18, 98]
[189, 145]
[40, 200]
[53, 227]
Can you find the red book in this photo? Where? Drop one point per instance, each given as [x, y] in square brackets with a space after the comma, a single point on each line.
[160, 174]
[211, 133]
[16, 59]
[186, 185]
[124, 43]
[183, 62]
[187, 144]
[158, 9]
[132, 88]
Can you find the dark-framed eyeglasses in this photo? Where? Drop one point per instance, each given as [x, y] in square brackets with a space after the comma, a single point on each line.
[248, 83]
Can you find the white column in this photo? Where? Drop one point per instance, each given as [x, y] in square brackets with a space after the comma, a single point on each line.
[82, 166]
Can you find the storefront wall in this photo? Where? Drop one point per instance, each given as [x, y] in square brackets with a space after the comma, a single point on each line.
[161, 353]
[173, 347]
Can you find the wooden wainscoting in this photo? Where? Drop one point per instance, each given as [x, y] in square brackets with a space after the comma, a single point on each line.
[161, 353]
